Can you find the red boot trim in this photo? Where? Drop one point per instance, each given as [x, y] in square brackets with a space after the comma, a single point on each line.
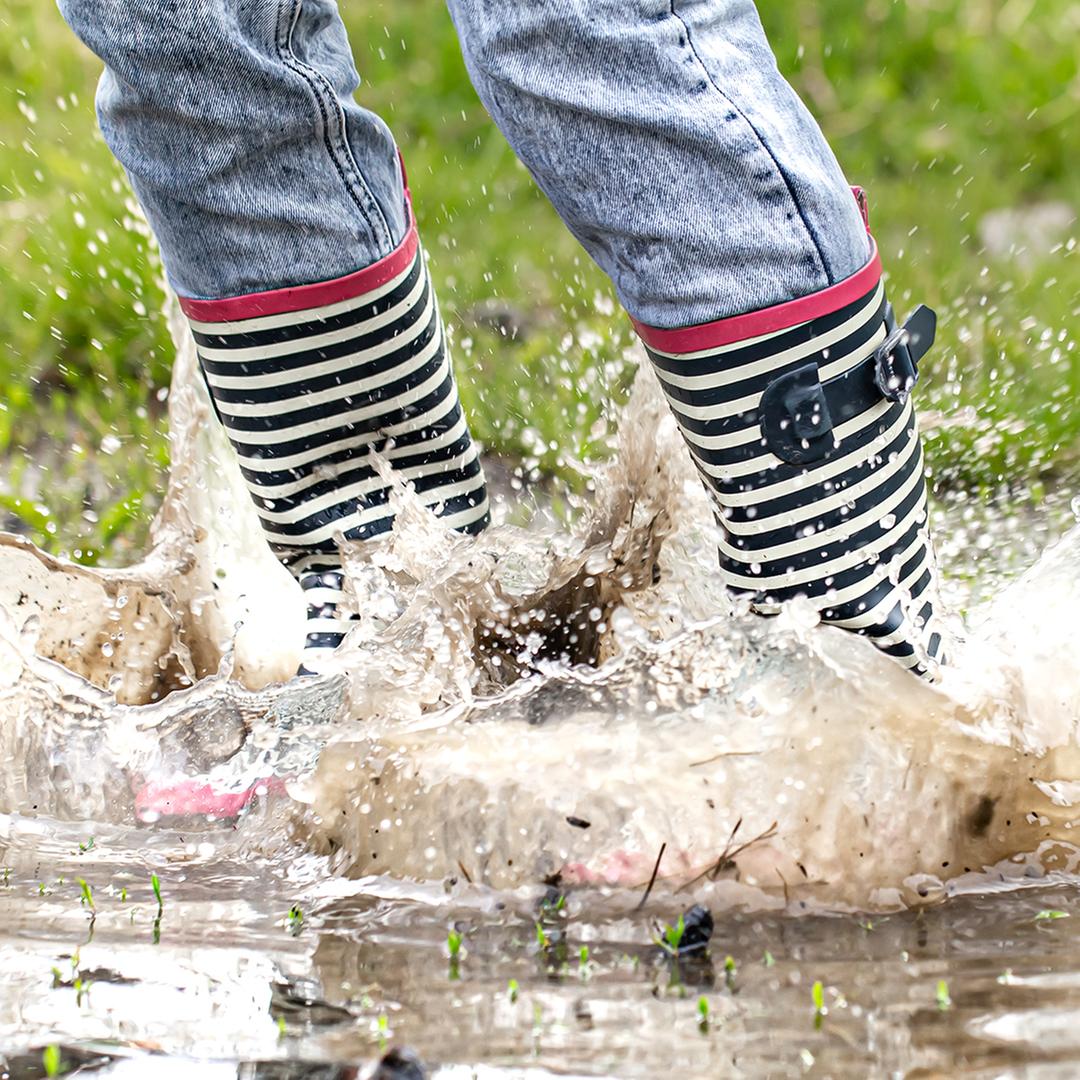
[769, 320]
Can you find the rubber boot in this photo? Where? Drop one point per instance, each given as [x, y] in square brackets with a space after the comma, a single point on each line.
[800, 421]
[308, 381]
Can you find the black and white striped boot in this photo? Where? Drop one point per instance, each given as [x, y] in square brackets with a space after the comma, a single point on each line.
[799, 420]
[308, 381]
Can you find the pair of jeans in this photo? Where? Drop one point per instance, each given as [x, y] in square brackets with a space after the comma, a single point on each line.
[661, 131]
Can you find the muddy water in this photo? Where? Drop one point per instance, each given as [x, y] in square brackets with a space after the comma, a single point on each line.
[222, 978]
[551, 741]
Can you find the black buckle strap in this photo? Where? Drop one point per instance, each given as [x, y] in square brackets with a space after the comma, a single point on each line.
[799, 412]
[896, 361]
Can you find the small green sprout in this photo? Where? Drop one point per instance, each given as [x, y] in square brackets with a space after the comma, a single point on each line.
[75, 980]
[281, 1027]
[87, 894]
[7, 876]
[84, 848]
[155, 884]
[730, 971]
[583, 957]
[512, 990]
[384, 1029]
[295, 920]
[944, 1002]
[768, 959]
[123, 894]
[557, 905]
[817, 996]
[703, 1013]
[453, 947]
[453, 944]
[41, 888]
[1006, 978]
[1048, 914]
[541, 936]
[51, 1060]
[672, 937]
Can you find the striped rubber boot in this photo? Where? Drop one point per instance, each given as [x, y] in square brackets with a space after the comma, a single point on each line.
[799, 420]
[309, 381]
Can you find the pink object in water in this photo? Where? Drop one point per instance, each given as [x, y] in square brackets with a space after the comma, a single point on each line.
[192, 797]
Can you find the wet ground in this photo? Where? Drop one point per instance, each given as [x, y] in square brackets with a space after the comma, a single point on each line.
[256, 958]
[223, 982]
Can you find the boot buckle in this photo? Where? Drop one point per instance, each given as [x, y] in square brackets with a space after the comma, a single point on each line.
[795, 417]
[798, 411]
[896, 361]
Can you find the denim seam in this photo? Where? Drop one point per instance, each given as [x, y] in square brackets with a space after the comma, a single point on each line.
[812, 236]
[330, 109]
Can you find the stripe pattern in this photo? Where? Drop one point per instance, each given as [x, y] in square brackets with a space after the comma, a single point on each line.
[850, 531]
[306, 396]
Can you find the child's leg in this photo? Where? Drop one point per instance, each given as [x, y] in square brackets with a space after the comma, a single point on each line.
[285, 227]
[235, 122]
[688, 168]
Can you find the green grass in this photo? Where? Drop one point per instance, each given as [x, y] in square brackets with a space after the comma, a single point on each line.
[944, 109]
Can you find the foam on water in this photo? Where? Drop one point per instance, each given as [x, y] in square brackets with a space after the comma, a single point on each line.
[773, 762]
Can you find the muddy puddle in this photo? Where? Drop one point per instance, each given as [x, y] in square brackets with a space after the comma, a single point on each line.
[475, 832]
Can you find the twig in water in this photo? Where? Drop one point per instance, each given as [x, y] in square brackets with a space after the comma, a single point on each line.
[652, 880]
[725, 754]
[728, 855]
[715, 868]
[783, 881]
[768, 834]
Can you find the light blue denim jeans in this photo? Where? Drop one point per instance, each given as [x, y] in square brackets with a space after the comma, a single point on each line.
[661, 131]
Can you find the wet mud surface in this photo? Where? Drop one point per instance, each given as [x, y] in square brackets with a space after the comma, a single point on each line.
[225, 983]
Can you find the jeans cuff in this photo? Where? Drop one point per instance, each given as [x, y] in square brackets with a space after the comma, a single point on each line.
[319, 294]
[770, 320]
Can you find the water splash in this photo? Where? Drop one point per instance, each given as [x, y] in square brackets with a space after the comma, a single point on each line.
[550, 703]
